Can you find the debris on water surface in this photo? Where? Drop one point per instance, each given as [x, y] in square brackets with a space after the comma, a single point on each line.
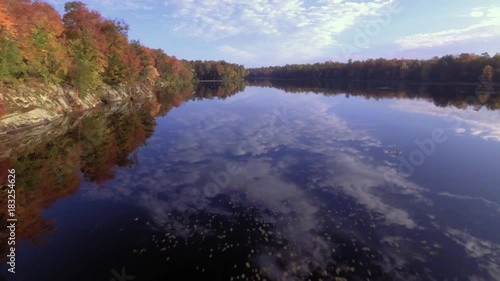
[394, 152]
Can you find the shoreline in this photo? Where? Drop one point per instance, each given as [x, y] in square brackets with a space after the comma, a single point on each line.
[31, 105]
[426, 83]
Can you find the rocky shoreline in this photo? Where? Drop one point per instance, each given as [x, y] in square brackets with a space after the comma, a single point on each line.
[26, 106]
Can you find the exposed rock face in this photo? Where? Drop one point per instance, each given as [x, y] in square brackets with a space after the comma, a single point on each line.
[29, 105]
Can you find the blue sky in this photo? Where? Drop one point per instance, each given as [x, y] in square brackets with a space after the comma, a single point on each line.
[278, 32]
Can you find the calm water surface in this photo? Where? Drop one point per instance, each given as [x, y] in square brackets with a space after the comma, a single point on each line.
[262, 185]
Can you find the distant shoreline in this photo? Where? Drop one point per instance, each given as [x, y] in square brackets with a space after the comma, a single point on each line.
[455, 83]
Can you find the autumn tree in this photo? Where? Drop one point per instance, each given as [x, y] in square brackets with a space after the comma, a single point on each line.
[82, 29]
[6, 20]
[86, 50]
[48, 56]
[122, 62]
[11, 63]
[488, 73]
[147, 73]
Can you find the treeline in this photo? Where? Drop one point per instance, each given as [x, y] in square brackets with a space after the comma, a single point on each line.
[218, 70]
[449, 68]
[84, 49]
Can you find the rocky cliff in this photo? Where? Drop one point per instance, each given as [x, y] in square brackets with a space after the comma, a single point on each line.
[29, 105]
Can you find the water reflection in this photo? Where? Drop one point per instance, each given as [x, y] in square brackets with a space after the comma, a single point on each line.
[265, 185]
[459, 96]
[481, 123]
[93, 144]
[51, 158]
[293, 203]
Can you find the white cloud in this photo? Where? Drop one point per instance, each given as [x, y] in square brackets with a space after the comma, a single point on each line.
[235, 52]
[281, 29]
[488, 27]
[476, 14]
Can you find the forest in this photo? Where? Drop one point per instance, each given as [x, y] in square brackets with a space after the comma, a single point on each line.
[83, 49]
[449, 68]
[217, 70]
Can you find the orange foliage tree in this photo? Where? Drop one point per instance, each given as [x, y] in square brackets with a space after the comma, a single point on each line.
[82, 48]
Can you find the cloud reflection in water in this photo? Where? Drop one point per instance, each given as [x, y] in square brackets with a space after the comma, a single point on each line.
[314, 198]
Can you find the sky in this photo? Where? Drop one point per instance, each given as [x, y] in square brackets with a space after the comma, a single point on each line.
[277, 32]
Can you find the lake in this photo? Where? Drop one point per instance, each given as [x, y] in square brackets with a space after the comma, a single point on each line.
[272, 181]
